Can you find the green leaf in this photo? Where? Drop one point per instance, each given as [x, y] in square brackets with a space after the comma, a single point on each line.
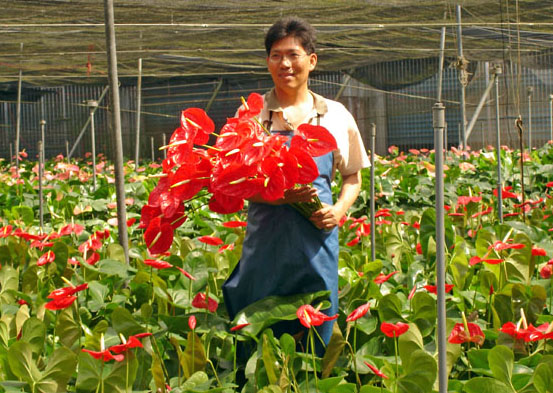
[20, 358]
[543, 378]
[501, 360]
[113, 267]
[424, 312]
[486, 385]
[67, 328]
[34, 333]
[194, 357]
[116, 252]
[61, 365]
[123, 322]
[421, 373]
[272, 309]
[62, 254]
[389, 308]
[459, 264]
[9, 281]
[23, 213]
[409, 342]
[114, 375]
[269, 360]
[333, 351]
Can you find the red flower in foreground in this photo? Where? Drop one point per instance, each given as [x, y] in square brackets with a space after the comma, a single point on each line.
[492, 261]
[528, 334]
[546, 271]
[434, 289]
[499, 246]
[6, 231]
[376, 371]
[418, 248]
[382, 278]
[157, 263]
[393, 330]
[46, 258]
[537, 252]
[131, 342]
[358, 312]
[158, 236]
[459, 335]
[60, 303]
[63, 297]
[200, 301]
[506, 193]
[310, 316]
[235, 224]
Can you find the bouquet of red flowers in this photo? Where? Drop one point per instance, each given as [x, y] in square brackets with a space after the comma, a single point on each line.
[246, 160]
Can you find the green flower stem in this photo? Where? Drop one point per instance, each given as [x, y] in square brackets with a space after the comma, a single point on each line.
[397, 365]
[313, 358]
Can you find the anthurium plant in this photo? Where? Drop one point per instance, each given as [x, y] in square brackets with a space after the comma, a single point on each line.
[75, 317]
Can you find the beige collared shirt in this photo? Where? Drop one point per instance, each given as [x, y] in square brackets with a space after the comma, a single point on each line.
[351, 155]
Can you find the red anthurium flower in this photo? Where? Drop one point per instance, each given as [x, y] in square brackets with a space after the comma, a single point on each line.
[200, 301]
[92, 258]
[225, 247]
[235, 224]
[465, 200]
[546, 271]
[315, 140]
[196, 119]
[418, 248]
[310, 316]
[188, 275]
[239, 327]
[105, 355]
[412, 292]
[499, 246]
[71, 228]
[393, 330]
[434, 289]
[549, 184]
[6, 231]
[192, 322]
[60, 303]
[416, 225]
[157, 263]
[93, 243]
[492, 261]
[211, 240]
[537, 251]
[66, 291]
[482, 213]
[506, 193]
[252, 107]
[46, 258]
[382, 278]
[158, 236]
[358, 312]
[353, 241]
[459, 335]
[376, 371]
[131, 342]
[308, 168]
[224, 204]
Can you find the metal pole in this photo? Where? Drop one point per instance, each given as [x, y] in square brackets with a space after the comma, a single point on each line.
[212, 98]
[342, 88]
[529, 91]
[152, 148]
[67, 149]
[11, 154]
[498, 72]
[116, 122]
[85, 127]
[40, 175]
[164, 140]
[461, 58]
[18, 115]
[479, 107]
[42, 125]
[92, 105]
[551, 117]
[138, 113]
[441, 64]
[372, 221]
[438, 117]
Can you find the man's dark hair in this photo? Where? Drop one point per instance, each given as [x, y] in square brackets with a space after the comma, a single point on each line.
[292, 26]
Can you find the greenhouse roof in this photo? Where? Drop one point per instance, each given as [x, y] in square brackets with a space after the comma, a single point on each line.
[63, 41]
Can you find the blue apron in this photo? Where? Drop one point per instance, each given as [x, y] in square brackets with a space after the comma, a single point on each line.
[285, 254]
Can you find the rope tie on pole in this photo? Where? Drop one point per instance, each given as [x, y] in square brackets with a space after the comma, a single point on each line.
[462, 64]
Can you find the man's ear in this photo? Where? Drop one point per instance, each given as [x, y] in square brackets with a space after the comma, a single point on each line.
[312, 61]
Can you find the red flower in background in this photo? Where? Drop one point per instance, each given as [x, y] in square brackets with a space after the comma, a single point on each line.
[192, 322]
[500, 246]
[434, 289]
[157, 263]
[310, 316]
[506, 193]
[358, 312]
[46, 258]
[492, 261]
[131, 342]
[393, 330]
[459, 335]
[537, 251]
[5, 231]
[376, 371]
[202, 301]
[239, 327]
[211, 240]
[382, 278]
[105, 355]
[64, 297]
[235, 224]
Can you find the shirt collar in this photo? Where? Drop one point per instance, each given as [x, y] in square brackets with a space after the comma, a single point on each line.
[273, 105]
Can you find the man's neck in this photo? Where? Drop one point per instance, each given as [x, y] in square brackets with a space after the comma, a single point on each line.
[293, 97]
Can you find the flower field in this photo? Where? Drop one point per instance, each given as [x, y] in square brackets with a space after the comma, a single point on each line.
[75, 317]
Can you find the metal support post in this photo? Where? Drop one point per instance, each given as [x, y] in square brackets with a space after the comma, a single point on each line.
[40, 176]
[441, 64]
[42, 137]
[479, 107]
[92, 105]
[116, 122]
[152, 148]
[371, 201]
[438, 117]
[551, 117]
[18, 115]
[529, 92]
[138, 113]
[461, 59]
[164, 141]
[498, 72]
